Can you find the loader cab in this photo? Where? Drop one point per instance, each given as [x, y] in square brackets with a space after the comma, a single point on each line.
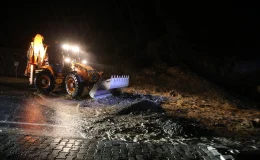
[72, 56]
[56, 59]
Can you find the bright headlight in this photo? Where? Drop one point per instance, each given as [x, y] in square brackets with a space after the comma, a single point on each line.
[84, 61]
[67, 60]
[65, 46]
[75, 49]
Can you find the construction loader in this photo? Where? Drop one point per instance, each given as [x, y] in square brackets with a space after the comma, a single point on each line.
[51, 66]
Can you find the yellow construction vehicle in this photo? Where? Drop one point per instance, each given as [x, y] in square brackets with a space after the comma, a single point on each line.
[62, 66]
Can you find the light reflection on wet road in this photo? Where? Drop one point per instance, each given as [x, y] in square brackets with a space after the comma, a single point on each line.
[26, 115]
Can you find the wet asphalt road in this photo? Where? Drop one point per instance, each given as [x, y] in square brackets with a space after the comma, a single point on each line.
[23, 112]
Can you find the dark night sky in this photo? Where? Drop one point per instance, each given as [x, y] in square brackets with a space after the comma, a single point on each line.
[204, 27]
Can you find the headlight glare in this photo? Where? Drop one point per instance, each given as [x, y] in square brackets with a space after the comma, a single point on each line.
[75, 49]
[84, 61]
[67, 60]
[65, 46]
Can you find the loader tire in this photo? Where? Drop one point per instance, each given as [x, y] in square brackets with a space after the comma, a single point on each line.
[73, 85]
[44, 82]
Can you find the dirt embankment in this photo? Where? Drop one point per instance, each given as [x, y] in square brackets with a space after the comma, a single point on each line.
[192, 97]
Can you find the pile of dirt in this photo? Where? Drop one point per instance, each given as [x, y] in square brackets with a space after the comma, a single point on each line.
[124, 103]
[192, 97]
[141, 118]
[181, 95]
[143, 106]
[135, 117]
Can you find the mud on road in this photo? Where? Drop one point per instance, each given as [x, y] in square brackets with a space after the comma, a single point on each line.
[140, 118]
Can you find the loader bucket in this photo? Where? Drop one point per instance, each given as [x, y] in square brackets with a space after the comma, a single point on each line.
[102, 88]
